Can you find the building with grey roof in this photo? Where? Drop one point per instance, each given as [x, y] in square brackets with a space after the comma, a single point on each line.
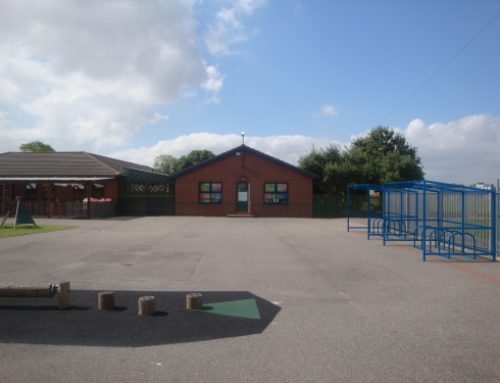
[81, 184]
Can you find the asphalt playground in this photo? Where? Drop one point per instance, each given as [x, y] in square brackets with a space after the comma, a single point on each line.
[285, 300]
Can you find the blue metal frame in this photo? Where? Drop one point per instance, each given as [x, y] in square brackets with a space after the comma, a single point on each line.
[438, 218]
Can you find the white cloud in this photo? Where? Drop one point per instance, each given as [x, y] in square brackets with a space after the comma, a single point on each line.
[328, 110]
[287, 148]
[214, 82]
[90, 74]
[462, 151]
[228, 28]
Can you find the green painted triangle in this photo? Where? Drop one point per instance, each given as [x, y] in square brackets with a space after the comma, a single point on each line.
[242, 308]
[22, 215]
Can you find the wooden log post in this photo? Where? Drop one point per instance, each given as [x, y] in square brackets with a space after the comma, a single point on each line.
[106, 300]
[62, 289]
[193, 301]
[17, 291]
[146, 305]
[63, 300]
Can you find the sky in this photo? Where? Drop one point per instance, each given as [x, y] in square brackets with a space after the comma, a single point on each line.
[136, 79]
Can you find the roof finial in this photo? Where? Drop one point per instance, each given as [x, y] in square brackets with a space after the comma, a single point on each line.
[243, 138]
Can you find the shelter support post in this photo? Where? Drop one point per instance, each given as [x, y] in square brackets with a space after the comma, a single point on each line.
[494, 215]
[88, 193]
[368, 213]
[348, 203]
[4, 197]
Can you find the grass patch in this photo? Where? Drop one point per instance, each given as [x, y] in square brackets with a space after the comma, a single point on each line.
[9, 231]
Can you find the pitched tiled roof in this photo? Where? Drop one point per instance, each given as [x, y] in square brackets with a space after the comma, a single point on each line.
[120, 165]
[63, 164]
[247, 149]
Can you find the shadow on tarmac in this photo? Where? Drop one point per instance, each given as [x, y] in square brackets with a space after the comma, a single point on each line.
[38, 321]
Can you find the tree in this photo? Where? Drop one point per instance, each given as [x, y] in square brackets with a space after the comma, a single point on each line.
[194, 157]
[36, 146]
[166, 163]
[316, 160]
[384, 155]
[340, 174]
[169, 164]
[324, 163]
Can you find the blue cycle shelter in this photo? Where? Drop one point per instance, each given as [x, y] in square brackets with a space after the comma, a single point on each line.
[438, 218]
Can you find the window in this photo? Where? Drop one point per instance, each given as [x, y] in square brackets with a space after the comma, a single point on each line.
[210, 192]
[276, 193]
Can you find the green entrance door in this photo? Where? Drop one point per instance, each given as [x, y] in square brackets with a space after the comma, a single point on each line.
[242, 197]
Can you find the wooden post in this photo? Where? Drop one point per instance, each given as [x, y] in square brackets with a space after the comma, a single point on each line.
[106, 300]
[146, 305]
[63, 295]
[193, 301]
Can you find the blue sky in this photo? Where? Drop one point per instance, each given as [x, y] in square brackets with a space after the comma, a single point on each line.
[138, 79]
[364, 58]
